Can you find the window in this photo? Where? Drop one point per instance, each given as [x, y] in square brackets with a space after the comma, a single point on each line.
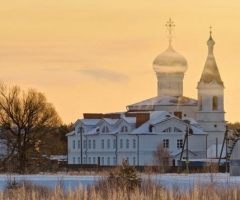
[89, 144]
[84, 144]
[166, 143]
[178, 114]
[102, 160]
[73, 160]
[200, 103]
[127, 159]
[89, 160]
[84, 160]
[150, 128]
[124, 129]
[94, 160]
[114, 160]
[79, 144]
[97, 130]
[134, 143]
[215, 103]
[94, 144]
[179, 143]
[167, 129]
[121, 143]
[78, 160]
[114, 143]
[108, 160]
[108, 144]
[73, 144]
[134, 160]
[102, 144]
[127, 143]
[177, 129]
[105, 129]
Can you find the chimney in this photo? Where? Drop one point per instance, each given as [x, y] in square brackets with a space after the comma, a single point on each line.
[92, 115]
[112, 115]
[141, 118]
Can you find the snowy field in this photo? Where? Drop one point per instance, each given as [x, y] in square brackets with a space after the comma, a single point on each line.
[50, 180]
[169, 180]
[185, 181]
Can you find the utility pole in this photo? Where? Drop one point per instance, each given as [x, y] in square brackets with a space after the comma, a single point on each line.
[226, 151]
[185, 142]
[187, 161]
[180, 161]
[225, 140]
[81, 130]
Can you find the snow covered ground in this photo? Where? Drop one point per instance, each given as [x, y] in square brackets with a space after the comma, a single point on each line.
[170, 180]
[50, 180]
[189, 180]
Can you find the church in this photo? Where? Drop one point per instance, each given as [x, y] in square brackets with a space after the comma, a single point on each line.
[134, 134]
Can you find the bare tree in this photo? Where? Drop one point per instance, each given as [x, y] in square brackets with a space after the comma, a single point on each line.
[161, 157]
[26, 119]
[211, 168]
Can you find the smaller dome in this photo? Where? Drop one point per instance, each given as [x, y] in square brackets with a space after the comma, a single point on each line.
[210, 41]
[170, 61]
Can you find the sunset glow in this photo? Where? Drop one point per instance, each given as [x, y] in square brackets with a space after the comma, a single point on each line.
[96, 56]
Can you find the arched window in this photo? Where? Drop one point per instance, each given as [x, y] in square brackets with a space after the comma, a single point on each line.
[200, 103]
[124, 129]
[177, 129]
[167, 129]
[105, 129]
[215, 103]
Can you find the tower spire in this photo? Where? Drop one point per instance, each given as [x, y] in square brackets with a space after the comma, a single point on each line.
[210, 71]
[210, 30]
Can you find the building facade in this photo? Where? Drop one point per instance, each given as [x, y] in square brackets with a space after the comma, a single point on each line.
[133, 135]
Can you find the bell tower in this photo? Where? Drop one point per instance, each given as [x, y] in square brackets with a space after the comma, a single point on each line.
[211, 114]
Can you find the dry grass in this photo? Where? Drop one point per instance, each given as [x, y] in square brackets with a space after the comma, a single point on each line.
[104, 172]
[105, 190]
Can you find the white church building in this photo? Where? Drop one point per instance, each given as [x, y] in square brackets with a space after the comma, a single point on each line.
[134, 134]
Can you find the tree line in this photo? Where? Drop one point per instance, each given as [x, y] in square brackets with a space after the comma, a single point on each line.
[30, 129]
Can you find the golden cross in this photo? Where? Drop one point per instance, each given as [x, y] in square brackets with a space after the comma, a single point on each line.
[210, 30]
[170, 26]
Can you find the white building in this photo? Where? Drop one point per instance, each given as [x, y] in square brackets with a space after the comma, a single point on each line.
[134, 134]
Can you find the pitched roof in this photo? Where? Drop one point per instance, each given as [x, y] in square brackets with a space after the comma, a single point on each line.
[210, 71]
[149, 104]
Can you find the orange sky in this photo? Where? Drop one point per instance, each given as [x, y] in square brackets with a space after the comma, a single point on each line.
[96, 56]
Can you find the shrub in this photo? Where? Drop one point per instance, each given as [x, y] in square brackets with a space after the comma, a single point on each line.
[125, 175]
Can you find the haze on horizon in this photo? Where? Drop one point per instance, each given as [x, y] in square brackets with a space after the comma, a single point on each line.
[96, 56]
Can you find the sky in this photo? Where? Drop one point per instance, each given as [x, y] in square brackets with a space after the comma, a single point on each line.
[96, 56]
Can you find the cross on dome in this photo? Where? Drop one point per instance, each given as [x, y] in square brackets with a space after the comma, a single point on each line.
[170, 27]
[210, 30]
[170, 61]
